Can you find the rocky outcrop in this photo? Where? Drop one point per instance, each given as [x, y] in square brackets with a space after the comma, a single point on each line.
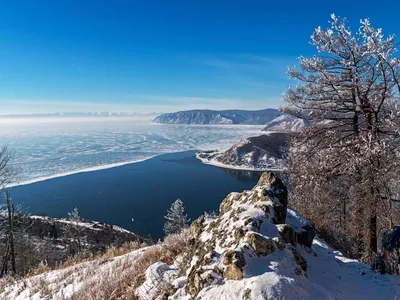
[258, 117]
[277, 191]
[254, 244]
[251, 226]
[264, 152]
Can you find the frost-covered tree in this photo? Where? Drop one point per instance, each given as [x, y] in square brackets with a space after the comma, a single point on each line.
[10, 243]
[75, 232]
[7, 172]
[176, 220]
[343, 164]
[7, 215]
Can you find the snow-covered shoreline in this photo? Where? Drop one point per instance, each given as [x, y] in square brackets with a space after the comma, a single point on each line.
[86, 170]
[265, 152]
[90, 224]
[216, 163]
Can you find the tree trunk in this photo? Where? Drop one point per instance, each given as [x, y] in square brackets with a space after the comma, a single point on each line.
[373, 231]
[4, 268]
[373, 238]
[360, 247]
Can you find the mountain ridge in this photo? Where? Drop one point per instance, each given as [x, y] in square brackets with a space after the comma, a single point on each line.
[207, 116]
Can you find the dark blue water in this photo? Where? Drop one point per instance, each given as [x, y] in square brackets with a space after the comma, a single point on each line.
[143, 191]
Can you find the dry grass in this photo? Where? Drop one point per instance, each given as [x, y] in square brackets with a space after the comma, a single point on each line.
[39, 269]
[70, 269]
[105, 276]
[122, 282]
[112, 251]
[6, 281]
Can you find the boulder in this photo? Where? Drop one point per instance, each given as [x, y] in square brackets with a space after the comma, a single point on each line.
[287, 233]
[233, 272]
[306, 235]
[236, 257]
[235, 262]
[260, 244]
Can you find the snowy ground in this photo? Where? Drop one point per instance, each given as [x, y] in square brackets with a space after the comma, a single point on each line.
[243, 253]
[330, 276]
[64, 283]
[214, 162]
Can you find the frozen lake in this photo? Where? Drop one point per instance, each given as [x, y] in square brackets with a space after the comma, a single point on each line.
[49, 147]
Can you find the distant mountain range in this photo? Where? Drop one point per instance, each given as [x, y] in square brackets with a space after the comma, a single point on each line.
[204, 116]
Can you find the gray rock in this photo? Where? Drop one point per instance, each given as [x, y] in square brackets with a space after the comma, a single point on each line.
[277, 191]
[300, 260]
[288, 233]
[260, 244]
[306, 236]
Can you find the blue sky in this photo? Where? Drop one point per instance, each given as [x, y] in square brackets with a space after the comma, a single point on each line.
[147, 56]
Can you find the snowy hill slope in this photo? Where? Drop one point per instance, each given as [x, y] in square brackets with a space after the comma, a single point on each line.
[64, 283]
[285, 123]
[255, 248]
[264, 152]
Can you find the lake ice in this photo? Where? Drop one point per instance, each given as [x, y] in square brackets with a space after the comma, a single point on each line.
[49, 147]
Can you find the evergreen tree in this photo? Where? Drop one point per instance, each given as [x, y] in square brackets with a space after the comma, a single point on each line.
[176, 220]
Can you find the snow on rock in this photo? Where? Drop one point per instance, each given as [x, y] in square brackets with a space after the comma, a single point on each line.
[264, 152]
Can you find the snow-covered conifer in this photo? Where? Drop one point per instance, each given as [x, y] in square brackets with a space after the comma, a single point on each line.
[176, 220]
